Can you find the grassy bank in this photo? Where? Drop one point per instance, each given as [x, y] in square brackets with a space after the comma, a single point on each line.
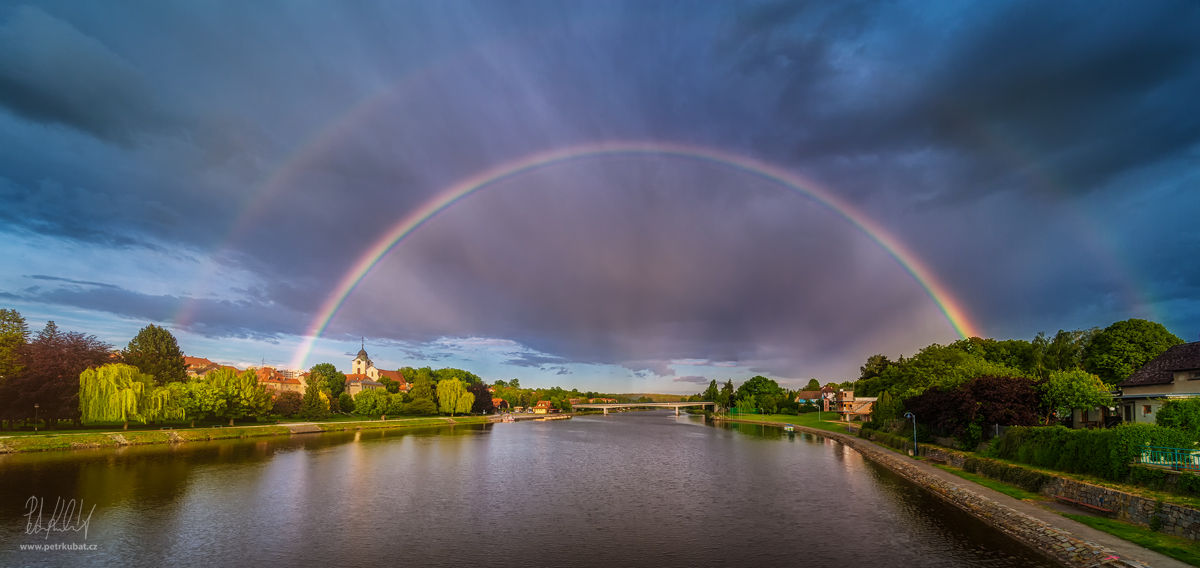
[117, 438]
[809, 419]
[1178, 548]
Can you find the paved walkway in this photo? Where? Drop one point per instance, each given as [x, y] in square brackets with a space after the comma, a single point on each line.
[1046, 514]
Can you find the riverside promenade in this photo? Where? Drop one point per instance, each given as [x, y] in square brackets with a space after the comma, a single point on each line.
[1069, 542]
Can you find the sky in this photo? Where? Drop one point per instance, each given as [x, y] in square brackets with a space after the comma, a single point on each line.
[610, 196]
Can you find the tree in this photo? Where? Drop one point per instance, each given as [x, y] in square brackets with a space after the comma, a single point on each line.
[725, 399]
[1065, 391]
[119, 392]
[712, 392]
[314, 406]
[483, 398]
[332, 380]
[875, 366]
[1123, 347]
[198, 399]
[52, 363]
[390, 385]
[453, 397]
[155, 352]
[372, 402]
[965, 409]
[288, 403]
[758, 386]
[240, 395]
[14, 334]
[423, 388]
[346, 402]
[814, 385]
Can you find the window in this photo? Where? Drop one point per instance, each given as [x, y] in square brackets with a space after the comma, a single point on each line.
[1146, 409]
[1194, 376]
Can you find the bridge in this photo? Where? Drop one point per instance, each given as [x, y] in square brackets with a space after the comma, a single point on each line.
[606, 406]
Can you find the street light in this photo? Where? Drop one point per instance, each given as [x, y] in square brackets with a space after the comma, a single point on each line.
[35, 420]
[914, 419]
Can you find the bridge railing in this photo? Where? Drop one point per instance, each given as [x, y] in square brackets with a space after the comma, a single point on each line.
[1174, 458]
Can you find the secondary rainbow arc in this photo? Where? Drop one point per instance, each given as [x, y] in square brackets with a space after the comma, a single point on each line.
[911, 263]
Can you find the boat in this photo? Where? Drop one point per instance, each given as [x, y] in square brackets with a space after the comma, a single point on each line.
[789, 428]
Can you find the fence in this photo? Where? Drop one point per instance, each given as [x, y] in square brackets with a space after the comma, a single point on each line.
[1173, 458]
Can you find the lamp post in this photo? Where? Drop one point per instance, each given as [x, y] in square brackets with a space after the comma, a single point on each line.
[914, 419]
[35, 419]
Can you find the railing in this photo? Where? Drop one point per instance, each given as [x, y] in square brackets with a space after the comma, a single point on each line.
[1173, 458]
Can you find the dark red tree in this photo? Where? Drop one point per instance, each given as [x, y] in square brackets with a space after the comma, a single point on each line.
[483, 398]
[964, 411]
[50, 379]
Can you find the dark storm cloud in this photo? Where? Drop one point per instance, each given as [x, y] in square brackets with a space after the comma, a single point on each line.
[52, 73]
[295, 137]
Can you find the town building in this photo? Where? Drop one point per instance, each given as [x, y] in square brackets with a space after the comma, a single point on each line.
[1173, 374]
[544, 407]
[500, 404]
[363, 375]
[823, 398]
[273, 380]
[198, 366]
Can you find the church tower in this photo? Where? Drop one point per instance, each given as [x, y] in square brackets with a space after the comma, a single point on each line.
[362, 365]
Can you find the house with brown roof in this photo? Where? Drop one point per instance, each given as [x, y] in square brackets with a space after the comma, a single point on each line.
[500, 404]
[544, 407]
[823, 398]
[1174, 374]
[358, 382]
[198, 366]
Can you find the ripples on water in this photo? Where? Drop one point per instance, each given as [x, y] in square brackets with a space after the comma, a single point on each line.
[632, 489]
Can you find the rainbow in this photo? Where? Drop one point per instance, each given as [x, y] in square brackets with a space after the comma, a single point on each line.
[941, 296]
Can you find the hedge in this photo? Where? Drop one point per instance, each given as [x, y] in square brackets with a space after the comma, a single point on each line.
[891, 440]
[1105, 453]
[1026, 479]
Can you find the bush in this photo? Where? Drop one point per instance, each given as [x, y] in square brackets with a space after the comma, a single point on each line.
[1104, 453]
[890, 440]
[420, 407]
[346, 402]
[287, 403]
[1180, 414]
[1026, 479]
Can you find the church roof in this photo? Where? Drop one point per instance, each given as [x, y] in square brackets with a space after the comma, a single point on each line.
[362, 354]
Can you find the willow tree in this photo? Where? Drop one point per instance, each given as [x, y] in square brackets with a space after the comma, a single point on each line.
[114, 392]
[238, 395]
[453, 397]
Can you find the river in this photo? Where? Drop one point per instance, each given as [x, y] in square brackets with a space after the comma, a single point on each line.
[631, 489]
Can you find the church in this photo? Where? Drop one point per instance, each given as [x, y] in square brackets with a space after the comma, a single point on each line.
[364, 376]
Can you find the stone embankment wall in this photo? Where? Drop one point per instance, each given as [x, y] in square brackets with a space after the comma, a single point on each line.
[1056, 543]
[1170, 519]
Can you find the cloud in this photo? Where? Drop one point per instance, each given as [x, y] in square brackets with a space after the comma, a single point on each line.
[52, 73]
[80, 282]
[691, 379]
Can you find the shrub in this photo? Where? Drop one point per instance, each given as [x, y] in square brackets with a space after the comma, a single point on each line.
[1180, 414]
[346, 402]
[890, 440]
[287, 403]
[1026, 479]
[1104, 453]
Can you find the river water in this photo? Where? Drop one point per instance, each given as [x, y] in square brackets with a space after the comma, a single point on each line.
[631, 489]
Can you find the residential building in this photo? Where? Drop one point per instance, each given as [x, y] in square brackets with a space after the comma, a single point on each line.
[544, 407]
[1174, 374]
[852, 408]
[823, 398]
[198, 366]
[500, 404]
[275, 381]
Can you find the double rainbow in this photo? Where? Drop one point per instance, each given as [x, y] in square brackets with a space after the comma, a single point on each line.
[938, 292]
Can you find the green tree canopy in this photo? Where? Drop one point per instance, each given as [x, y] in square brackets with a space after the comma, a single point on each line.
[240, 394]
[1180, 414]
[712, 392]
[1123, 347]
[13, 334]
[758, 386]
[453, 397]
[1065, 391]
[329, 378]
[314, 406]
[119, 392]
[155, 352]
[371, 402]
[813, 385]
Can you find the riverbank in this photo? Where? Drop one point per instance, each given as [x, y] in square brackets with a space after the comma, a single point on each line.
[119, 438]
[1068, 542]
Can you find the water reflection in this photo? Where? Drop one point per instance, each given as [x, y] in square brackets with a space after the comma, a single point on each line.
[633, 489]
